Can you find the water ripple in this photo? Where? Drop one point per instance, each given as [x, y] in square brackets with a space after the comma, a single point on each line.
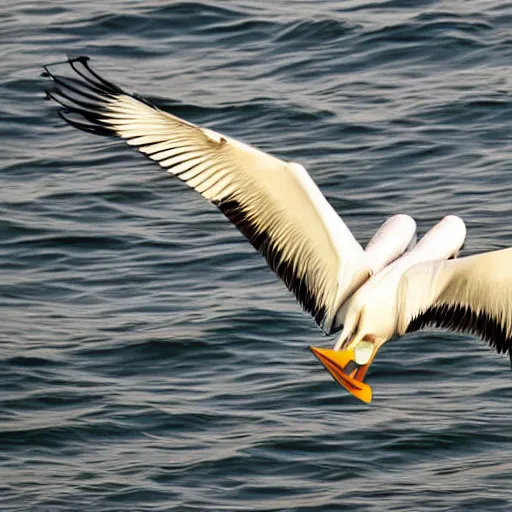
[150, 361]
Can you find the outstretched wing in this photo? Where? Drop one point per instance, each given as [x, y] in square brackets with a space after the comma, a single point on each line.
[471, 294]
[275, 204]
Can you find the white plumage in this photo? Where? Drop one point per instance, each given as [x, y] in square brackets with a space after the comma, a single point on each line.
[371, 294]
[471, 294]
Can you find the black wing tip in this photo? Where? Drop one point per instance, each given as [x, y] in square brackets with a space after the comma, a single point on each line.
[95, 128]
[80, 58]
[83, 97]
[69, 60]
[83, 59]
[463, 319]
[86, 94]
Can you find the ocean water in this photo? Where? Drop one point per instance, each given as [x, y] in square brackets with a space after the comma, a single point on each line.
[149, 360]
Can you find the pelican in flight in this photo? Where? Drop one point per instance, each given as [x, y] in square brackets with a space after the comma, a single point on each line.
[391, 287]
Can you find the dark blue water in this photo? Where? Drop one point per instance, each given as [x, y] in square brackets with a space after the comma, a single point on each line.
[149, 360]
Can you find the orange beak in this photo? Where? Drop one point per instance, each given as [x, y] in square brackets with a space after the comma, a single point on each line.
[345, 371]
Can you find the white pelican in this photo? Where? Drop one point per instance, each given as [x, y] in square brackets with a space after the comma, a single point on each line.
[370, 294]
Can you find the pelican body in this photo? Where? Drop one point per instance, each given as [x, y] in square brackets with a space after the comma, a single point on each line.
[391, 287]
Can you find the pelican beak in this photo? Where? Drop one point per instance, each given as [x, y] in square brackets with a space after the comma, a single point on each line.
[341, 364]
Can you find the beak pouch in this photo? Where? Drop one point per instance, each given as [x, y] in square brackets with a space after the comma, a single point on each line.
[345, 371]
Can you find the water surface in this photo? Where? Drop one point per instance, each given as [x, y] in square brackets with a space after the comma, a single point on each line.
[149, 359]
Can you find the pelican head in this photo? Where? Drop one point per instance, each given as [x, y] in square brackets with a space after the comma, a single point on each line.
[370, 321]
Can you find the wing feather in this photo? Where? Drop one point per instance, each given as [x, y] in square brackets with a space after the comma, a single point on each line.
[275, 204]
[471, 295]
